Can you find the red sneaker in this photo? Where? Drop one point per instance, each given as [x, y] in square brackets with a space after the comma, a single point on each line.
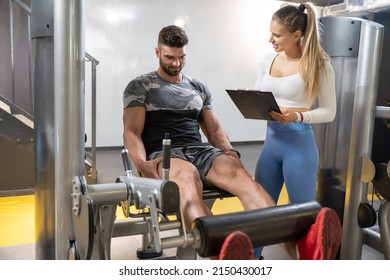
[323, 238]
[237, 246]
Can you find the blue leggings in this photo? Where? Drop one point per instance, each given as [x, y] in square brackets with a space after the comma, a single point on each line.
[289, 155]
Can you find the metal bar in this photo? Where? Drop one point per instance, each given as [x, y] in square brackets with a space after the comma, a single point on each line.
[13, 107]
[371, 40]
[382, 112]
[30, 76]
[109, 192]
[164, 226]
[11, 24]
[69, 62]
[22, 5]
[43, 71]
[373, 239]
[384, 221]
[177, 241]
[91, 58]
[128, 228]
[93, 112]
[92, 154]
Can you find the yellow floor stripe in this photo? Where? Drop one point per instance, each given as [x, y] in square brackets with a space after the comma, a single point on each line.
[17, 223]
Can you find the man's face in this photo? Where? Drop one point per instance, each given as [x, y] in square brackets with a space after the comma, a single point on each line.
[172, 60]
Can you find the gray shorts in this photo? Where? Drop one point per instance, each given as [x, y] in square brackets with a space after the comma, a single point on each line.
[201, 157]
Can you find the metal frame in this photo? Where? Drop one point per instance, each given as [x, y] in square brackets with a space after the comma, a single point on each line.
[92, 154]
[354, 44]
[12, 104]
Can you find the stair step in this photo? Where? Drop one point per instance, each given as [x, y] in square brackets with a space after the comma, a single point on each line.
[5, 107]
[20, 117]
[24, 120]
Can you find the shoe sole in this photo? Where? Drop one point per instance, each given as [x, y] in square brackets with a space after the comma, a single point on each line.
[331, 234]
[324, 237]
[237, 246]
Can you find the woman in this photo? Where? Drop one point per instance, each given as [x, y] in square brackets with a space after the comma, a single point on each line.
[299, 74]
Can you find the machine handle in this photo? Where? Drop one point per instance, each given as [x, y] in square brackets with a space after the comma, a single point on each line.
[166, 162]
[126, 162]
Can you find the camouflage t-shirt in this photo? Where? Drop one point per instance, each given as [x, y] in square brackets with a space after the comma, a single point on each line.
[170, 108]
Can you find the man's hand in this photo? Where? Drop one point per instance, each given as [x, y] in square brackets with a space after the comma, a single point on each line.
[149, 169]
[233, 153]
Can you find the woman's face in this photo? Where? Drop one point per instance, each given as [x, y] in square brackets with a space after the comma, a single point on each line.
[282, 39]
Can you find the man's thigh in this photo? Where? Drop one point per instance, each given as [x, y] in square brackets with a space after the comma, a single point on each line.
[227, 172]
[180, 167]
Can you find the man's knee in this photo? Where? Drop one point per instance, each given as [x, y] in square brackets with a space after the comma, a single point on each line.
[184, 172]
[229, 167]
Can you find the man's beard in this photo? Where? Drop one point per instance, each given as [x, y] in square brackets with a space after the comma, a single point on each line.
[170, 70]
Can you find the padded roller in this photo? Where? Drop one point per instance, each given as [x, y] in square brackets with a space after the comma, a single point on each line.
[264, 227]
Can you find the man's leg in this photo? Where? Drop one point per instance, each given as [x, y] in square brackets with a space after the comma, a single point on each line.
[186, 176]
[237, 245]
[229, 174]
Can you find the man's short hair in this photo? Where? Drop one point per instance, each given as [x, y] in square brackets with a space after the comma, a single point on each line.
[172, 36]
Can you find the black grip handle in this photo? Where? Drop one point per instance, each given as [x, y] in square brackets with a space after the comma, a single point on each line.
[166, 162]
[126, 160]
[166, 157]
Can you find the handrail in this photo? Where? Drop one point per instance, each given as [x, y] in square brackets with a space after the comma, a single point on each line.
[16, 109]
[22, 5]
[94, 63]
[91, 58]
[12, 104]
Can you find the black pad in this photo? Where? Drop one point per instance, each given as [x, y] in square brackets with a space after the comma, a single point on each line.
[266, 226]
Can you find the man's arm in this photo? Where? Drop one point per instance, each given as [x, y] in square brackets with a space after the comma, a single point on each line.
[133, 124]
[216, 136]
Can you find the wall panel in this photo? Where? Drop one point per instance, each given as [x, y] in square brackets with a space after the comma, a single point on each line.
[227, 40]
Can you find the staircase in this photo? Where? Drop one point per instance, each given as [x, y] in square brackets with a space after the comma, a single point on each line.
[17, 159]
[16, 153]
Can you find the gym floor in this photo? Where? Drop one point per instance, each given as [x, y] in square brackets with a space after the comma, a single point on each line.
[17, 222]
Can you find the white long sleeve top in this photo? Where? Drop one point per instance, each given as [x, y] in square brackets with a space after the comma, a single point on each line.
[289, 91]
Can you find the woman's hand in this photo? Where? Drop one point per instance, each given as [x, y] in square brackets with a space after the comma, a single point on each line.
[284, 118]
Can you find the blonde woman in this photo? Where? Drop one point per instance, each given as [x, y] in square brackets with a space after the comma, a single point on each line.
[298, 73]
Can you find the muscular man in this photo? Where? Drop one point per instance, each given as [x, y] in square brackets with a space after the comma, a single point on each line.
[168, 101]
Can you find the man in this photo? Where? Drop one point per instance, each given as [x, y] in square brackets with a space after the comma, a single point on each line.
[167, 101]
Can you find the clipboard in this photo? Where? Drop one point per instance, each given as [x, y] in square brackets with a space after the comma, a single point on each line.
[254, 104]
